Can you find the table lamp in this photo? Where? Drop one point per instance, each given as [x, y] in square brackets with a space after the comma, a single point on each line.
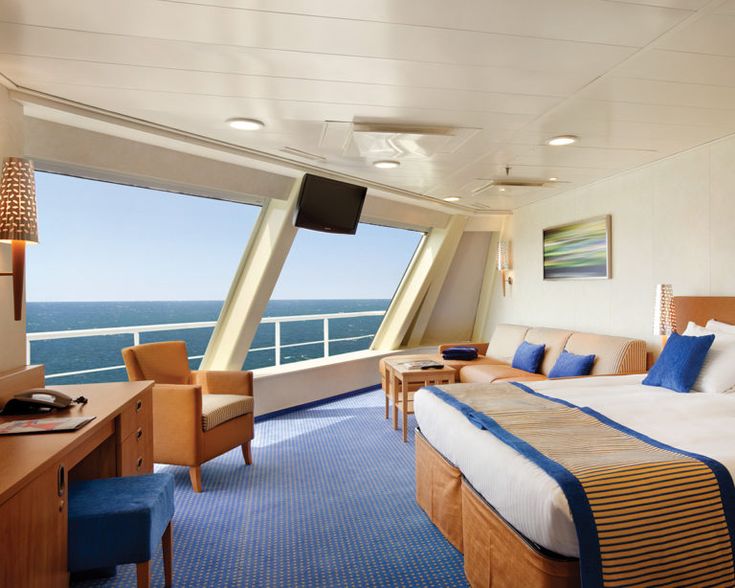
[18, 223]
[664, 320]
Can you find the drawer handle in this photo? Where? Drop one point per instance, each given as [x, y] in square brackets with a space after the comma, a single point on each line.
[139, 463]
[138, 405]
[138, 434]
[61, 480]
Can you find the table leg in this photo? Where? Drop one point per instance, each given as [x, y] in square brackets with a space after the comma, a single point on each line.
[386, 388]
[394, 396]
[404, 397]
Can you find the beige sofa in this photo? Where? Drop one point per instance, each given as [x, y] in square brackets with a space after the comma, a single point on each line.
[614, 355]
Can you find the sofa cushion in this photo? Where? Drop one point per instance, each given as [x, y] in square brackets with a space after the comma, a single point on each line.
[572, 365]
[477, 374]
[505, 341]
[615, 355]
[528, 356]
[481, 347]
[554, 339]
[220, 408]
[464, 353]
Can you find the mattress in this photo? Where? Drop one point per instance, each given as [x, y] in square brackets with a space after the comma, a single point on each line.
[525, 495]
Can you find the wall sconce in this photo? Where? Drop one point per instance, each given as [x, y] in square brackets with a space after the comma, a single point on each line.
[664, 318]
[18, 223]
[504, 264]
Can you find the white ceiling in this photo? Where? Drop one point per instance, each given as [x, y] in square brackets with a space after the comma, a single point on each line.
[635, 80]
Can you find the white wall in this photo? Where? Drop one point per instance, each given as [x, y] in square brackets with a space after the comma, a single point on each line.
[454, 314]
[672, 222]
[12, 333]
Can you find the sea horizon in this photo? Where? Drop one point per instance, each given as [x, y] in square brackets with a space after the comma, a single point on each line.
[301, 340]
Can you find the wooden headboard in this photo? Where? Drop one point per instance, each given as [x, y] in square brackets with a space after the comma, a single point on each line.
[699, 309]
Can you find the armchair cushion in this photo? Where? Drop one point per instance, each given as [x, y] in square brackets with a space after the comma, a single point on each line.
[220, 408]
[224, 382]
[165, 363]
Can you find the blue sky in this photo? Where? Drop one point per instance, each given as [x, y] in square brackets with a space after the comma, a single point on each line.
[101, 241]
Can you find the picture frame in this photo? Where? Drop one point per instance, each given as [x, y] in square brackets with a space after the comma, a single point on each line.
[578, 250]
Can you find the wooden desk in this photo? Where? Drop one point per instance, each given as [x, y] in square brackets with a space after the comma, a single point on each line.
[35, 471]
[404, 380]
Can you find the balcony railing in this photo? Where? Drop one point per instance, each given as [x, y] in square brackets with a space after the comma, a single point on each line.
[136, 331]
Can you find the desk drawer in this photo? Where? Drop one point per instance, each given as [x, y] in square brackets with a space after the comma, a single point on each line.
[136, 453]
[136, 415]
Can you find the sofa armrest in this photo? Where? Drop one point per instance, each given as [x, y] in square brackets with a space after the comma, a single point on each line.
[481, 347]
[177, 423]
[224, 382]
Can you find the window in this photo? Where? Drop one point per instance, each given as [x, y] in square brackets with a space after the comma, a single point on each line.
[326, 274]
[119, 256]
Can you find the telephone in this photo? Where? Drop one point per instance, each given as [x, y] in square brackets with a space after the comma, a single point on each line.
[39, 400]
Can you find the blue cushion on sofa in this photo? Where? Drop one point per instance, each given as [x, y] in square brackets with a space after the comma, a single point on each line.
[465, 353]
[118, 520]
[680, 362]
[571, 364]
[528, 357]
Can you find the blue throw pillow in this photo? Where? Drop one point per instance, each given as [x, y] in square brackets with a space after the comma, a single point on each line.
[570, 364]
[680, 362]
[528, 357]
[463, 352]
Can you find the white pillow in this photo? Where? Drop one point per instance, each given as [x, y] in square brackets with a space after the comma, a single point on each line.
[718, 327]
[718, 372]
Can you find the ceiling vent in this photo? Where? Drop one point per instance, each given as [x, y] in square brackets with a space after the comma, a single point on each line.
[519, 182]
[480, 206]
[482, 184]
[378, 140]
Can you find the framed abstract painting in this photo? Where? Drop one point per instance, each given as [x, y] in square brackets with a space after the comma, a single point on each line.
[578, 251]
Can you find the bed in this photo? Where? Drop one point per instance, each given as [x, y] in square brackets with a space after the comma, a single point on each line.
[510, 518]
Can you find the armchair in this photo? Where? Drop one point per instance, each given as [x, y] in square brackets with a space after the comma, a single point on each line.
[197, 415]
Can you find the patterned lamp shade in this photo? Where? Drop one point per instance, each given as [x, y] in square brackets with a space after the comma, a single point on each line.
[664, 321]
[18, 201]
[503, 261]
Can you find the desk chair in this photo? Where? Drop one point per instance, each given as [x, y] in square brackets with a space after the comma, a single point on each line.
[121, 520]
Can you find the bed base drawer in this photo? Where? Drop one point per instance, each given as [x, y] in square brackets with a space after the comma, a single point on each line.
[438, 490]
[495, 554]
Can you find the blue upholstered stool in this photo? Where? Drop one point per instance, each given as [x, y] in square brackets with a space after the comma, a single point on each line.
[121, 520]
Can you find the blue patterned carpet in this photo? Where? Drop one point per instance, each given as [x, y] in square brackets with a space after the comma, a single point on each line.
[329, 501]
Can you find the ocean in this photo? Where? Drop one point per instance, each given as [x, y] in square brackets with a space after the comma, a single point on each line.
[65, 355]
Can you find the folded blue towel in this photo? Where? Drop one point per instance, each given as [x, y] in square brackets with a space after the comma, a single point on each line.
[460, 353]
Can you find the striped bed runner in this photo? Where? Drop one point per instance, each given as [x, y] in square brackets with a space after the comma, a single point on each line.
[646, 514]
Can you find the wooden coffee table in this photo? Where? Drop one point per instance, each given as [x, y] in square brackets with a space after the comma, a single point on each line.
[403, 378]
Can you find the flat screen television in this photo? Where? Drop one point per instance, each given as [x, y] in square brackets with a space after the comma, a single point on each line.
[329, 205]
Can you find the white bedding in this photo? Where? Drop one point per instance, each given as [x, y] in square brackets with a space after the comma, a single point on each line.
[532, 501]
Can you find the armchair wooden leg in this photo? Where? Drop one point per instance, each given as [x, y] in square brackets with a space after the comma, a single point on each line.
[143, 570]
[246, 453]
[195, 474]
[167, 543]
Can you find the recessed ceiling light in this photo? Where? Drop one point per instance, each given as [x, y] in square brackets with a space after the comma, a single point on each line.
[246, 124]
[553, 179]
[562, 140]
[501, 189]
[386, 163]
[451, 199]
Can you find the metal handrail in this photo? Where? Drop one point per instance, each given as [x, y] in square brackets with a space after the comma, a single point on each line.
[136, 330]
